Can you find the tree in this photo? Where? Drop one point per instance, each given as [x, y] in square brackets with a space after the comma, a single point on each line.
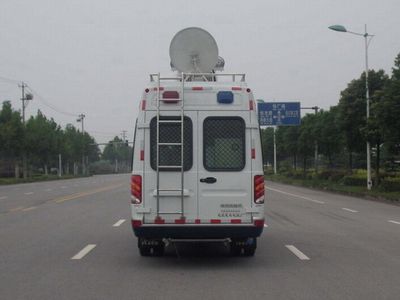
[388, 111]
[11, 135]
[352, 110]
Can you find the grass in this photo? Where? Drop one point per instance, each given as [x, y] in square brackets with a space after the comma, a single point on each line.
[36, 178]
[337, 187]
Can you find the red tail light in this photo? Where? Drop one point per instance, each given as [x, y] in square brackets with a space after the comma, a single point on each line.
[136, 189]
[136, 223]
[259, 189]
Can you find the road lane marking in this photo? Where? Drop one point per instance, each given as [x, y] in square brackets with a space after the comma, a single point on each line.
[297, 196]
[119, 223]
[3, 197]
[64, 187]
[394, 222]
[297, 252]
[28, 193]
[87, 193]
[350, 210]
[47, 190]
[265, 225]
[84, 251]
[16, 208]
[29, 208]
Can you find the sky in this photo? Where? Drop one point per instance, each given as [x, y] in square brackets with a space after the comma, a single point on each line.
[94, 56]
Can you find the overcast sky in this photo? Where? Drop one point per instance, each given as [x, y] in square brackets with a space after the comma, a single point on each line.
[94, 56]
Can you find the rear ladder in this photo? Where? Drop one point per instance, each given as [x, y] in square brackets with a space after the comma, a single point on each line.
[181, 110]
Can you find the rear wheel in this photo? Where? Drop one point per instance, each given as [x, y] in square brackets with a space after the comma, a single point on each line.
[245, 247]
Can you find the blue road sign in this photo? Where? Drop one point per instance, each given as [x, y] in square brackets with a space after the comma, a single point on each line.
[279, 113]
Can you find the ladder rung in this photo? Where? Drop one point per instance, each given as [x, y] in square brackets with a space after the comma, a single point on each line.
[169, 144]
[170, 167]
[170, 190]
[170, 212]
[170, 121]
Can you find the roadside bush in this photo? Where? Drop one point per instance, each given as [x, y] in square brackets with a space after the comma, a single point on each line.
[332, 175]
[390, 184]
[101, 167]
[356, 180]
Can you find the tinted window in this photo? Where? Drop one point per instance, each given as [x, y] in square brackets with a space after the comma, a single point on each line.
[170, 155]
[224, 144]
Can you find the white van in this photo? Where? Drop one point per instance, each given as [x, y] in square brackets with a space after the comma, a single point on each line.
[197, 163]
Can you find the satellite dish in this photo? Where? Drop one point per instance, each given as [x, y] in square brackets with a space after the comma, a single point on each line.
[193, 50]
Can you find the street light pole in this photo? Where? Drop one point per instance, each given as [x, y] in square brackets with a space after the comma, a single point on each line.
[80, 119]
[366, 35]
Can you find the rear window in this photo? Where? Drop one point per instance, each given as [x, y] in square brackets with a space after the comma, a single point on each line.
[224, 144]
[170, 155]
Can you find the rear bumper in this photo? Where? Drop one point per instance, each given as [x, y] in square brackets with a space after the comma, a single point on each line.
[197, 231]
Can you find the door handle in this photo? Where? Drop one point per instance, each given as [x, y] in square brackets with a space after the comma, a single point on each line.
[208, 180]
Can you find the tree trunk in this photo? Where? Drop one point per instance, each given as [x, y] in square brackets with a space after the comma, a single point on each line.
[46, 172]
[67, 169]
[295, 161]
[377, 164]
[304, 165]
[350, 162]
[16, 170]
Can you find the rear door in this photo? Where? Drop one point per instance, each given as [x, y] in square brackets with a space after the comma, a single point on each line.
[224, 167]
[170, 201]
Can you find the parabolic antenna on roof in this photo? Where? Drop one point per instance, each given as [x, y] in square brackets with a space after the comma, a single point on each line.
[193, 50]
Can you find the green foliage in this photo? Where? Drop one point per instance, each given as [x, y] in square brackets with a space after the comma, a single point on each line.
[390, 184]
[42, 139]
[11, 132]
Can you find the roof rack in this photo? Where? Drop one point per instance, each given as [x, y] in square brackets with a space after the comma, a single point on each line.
[236, 77]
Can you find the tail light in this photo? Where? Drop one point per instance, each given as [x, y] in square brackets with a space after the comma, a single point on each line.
[259, 189]
[136, 189]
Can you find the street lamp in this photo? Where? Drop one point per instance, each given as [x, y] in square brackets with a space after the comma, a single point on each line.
[366, 35]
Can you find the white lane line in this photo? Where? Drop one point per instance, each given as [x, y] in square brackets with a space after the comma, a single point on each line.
[297, 196]
[265, 225]
[84, 251]
[3, 197]
[47, 190]
[119, 223]
[29, 208]
[350, 210]
[64, 187]
[297, 252]
[394, 222]
[28, 193]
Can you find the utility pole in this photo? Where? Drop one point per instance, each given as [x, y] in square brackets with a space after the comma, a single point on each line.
[124, 135]
[81, 118]
[25, 98]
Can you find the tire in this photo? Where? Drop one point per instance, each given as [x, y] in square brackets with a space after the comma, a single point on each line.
[250, 247]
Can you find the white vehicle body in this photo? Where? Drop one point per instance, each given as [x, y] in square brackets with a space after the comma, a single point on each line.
[219, 194]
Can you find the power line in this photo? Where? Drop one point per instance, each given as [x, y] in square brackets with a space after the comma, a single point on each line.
[45, 103]
[9, 80]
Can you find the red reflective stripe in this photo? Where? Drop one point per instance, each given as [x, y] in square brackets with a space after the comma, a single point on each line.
[215, 221]
[158, 220]
[143, 104]
[236, 88]
[236, 221]
[136, 223]
[141, 154]
[253, 153]
[197, 221]
[180, 221]
[259, 223]
[251, 104]
[197, 88]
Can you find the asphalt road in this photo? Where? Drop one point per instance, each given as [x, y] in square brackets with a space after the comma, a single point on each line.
[67, 240]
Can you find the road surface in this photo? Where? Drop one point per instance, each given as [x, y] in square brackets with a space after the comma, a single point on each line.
[72, 239]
